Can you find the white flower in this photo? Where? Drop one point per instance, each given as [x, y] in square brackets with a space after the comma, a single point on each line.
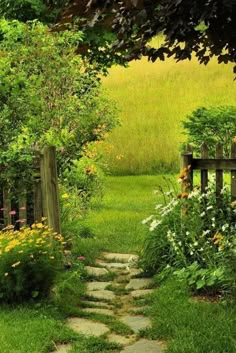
[153, 225]
[195, 243]
[225, 226]
[205, 232]
[209, 208]
[147, 219]
[202, 214]
[187, 233]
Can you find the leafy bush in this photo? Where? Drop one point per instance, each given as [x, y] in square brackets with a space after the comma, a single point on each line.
[30, 260]
[48, 96]
[211, 125]
[195, 234]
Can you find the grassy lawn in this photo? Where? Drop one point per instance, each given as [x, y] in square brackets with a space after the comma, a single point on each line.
[153, 99]
[25, 329]
[191, 325]
[116, 222]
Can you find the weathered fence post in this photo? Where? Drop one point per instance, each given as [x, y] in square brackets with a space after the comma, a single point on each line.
[38, 207]
[219, 172]
[233, 173]
[204, 172]
[51, 207]
[187, 158]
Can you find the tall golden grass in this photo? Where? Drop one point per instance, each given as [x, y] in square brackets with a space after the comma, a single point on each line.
[153, 99]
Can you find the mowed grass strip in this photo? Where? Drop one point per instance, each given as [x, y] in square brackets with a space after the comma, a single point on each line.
[153, 99]
[116, 223]
[196, 326]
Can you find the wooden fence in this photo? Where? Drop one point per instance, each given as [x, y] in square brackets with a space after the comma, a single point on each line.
[204, 164]
[40, 201]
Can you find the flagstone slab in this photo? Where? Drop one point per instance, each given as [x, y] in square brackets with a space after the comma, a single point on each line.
[145, 346]
[140, 293]
[97, 285]
[133, 272]
[93, 304]
[96, 271]
[113, 338]
[138, 283]
[113, 265]
[87, 327]
[63, 348]
[137, 322]
[117, 257]
[99, 311]
[107, 295]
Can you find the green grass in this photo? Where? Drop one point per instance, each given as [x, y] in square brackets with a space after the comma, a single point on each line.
[116, 222]
[26, 329]
[192, 326]
[153, 98]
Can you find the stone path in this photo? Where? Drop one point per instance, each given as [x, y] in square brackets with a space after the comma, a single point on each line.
[116, 300]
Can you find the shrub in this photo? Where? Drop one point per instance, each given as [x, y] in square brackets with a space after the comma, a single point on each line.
[211, 125]
[29, 262]
[192, 229]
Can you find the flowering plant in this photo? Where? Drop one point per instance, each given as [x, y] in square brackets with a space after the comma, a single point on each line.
[191, 228]
[29, 262]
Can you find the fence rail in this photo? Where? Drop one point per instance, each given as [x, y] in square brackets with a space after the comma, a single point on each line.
[41, 201]
[219, 164]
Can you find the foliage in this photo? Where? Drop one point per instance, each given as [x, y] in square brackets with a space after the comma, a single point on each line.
[121, 31]
[211, 125]
[205, 28]
[48, 96]
[29, 262]
[193, 232]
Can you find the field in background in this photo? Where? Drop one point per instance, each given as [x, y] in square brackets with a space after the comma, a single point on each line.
[153, 98]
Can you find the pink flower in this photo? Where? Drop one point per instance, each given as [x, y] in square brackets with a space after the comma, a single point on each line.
[12, 213]
[21, 221]
[2, 209]
[81, 258]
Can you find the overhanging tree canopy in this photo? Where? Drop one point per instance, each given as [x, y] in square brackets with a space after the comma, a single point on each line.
[122, 29]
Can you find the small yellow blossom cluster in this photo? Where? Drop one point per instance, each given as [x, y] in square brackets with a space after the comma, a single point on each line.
[90, 170]
[218, 240]
[29, 243]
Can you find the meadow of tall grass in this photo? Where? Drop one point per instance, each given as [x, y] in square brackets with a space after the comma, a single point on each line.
[153, 99]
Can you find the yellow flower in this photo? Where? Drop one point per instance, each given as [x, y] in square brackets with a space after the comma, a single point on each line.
[65, 196]
[16, 264]
[52, 257]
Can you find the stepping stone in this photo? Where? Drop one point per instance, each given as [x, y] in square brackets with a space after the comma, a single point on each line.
[99, 311]
[96, 271]
[63, 348]
[134, 272]
[113, 338]
[140, 293]
[115, 265]
[145, 346]
[87, 327]
[97, 285]
[92, 304]
[107, 295]
[136, 323]
[120, 257]
[138, 283]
